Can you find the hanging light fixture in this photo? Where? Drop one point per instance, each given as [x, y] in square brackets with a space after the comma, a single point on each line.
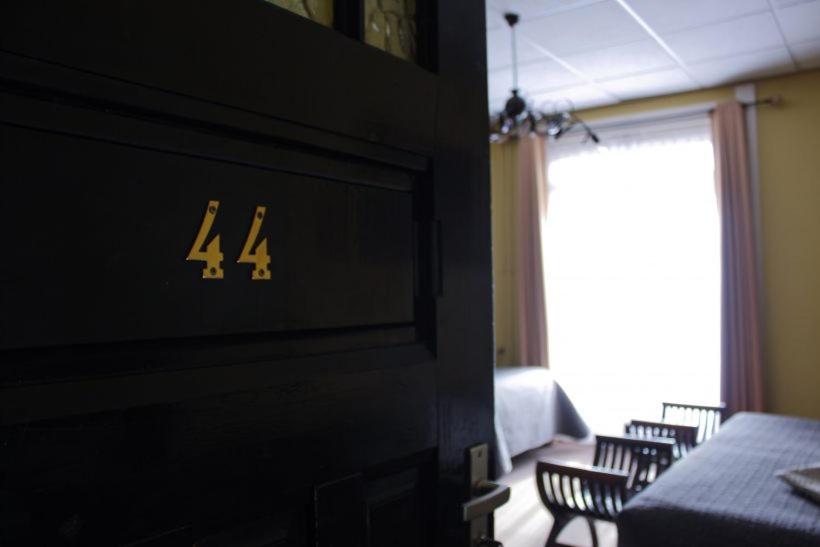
[516, 119]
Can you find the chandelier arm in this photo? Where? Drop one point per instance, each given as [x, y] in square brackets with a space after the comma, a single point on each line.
[590, 133]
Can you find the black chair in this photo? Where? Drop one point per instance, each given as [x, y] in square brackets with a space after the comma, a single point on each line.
[707, 419]
[688, 425]
[684, 435]
[623, 466]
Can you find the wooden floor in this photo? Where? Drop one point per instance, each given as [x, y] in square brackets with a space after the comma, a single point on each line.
[524, 522]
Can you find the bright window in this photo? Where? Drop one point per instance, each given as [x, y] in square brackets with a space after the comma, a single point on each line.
[632, 262]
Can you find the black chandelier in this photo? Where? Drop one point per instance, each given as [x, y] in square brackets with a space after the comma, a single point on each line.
[516, 120]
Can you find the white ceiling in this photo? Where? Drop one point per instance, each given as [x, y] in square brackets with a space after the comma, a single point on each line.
[597, 52]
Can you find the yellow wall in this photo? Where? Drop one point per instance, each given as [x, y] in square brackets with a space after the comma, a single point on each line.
[789, 156]
[657, 103]
[503, 176]
[789, 152]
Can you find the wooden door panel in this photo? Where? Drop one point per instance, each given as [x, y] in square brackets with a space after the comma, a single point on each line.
[143, 405]
[225, 454]
[103, 257]
[235, 52]
[220, 467]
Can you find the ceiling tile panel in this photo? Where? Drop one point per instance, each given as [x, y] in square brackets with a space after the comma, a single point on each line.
[743, 67]
[586, 96]
[499, 84]
[807, 54]
[494, 19]
[800, 22]
[661, 82]
[499, 50]
[528, 9]
[720, 42]
[587, 28]
[625, 60]
[532, 78]
[672, 15]
[544, 76]
[786, 3]
[747, 34]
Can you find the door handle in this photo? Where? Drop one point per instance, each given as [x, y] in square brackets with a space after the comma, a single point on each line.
[487, 496]
[491, 496]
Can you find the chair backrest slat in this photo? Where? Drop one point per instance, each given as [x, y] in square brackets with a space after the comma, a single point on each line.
[707, 419]
[642, 459]
[684, 435]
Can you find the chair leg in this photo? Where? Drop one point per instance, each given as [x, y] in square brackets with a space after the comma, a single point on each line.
[557, 525]
[592, 531]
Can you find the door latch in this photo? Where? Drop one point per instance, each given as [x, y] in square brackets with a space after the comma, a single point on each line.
[488, 496]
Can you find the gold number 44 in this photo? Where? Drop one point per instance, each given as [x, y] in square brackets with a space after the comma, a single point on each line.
[212, 254]
[259, 257]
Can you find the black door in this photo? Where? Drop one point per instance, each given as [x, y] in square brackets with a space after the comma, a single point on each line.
[245, 276]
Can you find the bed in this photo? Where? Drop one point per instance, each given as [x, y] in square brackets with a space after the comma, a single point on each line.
[530, 410]
[725, 492]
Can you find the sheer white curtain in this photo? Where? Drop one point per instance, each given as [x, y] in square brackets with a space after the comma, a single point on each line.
[633, 270]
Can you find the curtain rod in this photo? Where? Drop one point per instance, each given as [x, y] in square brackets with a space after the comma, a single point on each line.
[774, 100]
[673, 114]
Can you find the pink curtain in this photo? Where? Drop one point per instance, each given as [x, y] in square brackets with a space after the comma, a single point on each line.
[532, 208]
[741, 382]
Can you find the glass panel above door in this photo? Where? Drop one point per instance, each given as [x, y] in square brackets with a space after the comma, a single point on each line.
[320, 11]
[390, 25]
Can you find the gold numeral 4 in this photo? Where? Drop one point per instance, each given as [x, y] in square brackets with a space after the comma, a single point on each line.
[259, 257]
[212, 255]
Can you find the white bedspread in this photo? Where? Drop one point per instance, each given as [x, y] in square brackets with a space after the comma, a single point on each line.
[530, 409]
